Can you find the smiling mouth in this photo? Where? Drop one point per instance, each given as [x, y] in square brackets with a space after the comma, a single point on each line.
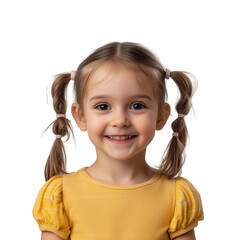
[119, 138]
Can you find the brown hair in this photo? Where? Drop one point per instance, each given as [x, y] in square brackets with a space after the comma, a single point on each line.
[133, 55]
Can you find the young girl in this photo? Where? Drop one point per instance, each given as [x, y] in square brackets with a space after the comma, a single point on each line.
[120, 96]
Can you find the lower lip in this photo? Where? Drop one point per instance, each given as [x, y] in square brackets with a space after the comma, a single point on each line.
[121, 141]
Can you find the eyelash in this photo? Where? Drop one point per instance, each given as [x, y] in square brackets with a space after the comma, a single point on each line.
[142, 106]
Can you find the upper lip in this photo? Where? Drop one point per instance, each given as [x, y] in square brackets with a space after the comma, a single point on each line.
[120, 135]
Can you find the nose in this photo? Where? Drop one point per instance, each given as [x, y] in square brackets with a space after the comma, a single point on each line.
[120, 119]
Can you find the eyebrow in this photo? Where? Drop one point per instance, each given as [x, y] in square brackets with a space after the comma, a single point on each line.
[134, 96]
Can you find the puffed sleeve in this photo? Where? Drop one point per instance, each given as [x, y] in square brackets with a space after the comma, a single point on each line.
[188, 208]
[49, 210]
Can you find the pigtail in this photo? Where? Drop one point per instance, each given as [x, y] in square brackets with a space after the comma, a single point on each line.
[174, 156]
[56, 162]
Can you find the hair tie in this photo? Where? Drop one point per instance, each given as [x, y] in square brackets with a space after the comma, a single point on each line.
[60, 115]
[180, 115]
[168, 73]
[57, 116]
[58, 136]
[175, 134]
[73, 75]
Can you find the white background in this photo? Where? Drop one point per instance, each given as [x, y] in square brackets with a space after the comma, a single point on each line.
[42, 38]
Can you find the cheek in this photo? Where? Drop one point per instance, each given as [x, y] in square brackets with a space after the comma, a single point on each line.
[94, 131]
[94, 124]
[147, 126]
[95, 128]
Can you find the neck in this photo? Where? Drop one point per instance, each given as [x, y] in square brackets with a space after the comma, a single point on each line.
[131, 171]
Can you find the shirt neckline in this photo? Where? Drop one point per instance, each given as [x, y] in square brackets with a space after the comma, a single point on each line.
[83, 171]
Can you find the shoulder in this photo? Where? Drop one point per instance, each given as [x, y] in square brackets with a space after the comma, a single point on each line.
[179, 186]
[52, 186]
[185, 186]
[69, 180]
[54, 181]
[187, 195]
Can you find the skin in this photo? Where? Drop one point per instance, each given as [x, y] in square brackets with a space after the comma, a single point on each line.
[120, 112]
[50, 236]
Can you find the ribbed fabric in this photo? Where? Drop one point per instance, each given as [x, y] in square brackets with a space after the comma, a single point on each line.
[82, 207]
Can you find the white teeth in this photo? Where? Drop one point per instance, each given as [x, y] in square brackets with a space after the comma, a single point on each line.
[120, 138]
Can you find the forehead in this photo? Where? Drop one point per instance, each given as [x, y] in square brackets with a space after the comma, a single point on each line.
[118, 77]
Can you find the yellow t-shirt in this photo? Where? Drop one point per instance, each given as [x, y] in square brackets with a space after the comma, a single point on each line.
[82, 207]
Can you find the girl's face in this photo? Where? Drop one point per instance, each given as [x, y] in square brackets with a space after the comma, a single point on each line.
[120, 112]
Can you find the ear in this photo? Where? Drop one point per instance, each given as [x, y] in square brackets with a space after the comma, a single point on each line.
[163, 116]
[79, 117]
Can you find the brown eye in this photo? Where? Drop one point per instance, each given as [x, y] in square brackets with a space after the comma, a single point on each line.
[138, 106]
[102, 107]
